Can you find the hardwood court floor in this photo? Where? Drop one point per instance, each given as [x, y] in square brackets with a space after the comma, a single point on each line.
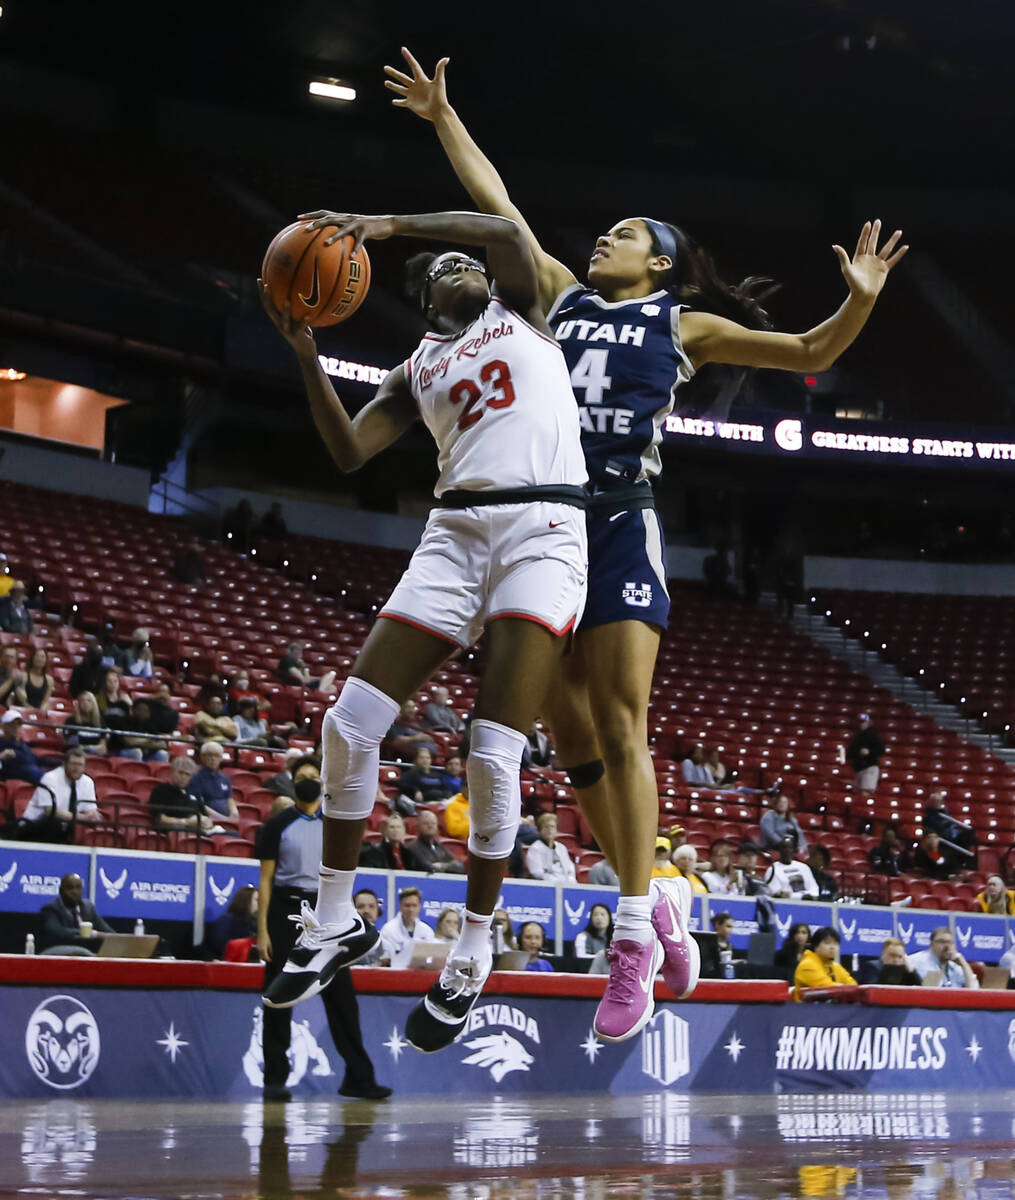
[713, 1147]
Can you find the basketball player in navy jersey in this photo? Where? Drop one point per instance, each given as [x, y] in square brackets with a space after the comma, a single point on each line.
[630, 339]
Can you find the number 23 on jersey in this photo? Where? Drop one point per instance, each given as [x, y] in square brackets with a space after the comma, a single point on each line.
[469, 394]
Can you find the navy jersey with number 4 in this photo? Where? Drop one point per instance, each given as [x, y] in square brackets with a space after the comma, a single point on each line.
[626, 362]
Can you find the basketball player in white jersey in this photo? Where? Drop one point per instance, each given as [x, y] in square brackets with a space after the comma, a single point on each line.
[504, 551]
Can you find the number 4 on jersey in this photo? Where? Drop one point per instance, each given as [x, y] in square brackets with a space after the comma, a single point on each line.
[589, 374]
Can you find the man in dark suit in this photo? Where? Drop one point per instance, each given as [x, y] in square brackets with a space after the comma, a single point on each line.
[387, 854]
[61, 920]
[425, 853]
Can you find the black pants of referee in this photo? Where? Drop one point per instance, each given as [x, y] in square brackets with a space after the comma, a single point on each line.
[339, 998]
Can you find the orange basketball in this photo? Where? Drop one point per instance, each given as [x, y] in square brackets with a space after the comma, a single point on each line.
[323, 284]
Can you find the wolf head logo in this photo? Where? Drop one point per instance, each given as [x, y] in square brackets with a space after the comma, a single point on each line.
[847, 928]
[500, 1052]
[574, 914]
[113, 886]
[221, 894]
[964, 938]
[8, 877]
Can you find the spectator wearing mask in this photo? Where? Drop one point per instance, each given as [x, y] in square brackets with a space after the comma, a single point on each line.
[722, 878]
[439, 716]
[11, 676]
[211, 785]
[941, 965]
[405, 737]
[425, 853]
[424, 783]
[17, 759]
[934, 860]
[891, 969]
[596, 935]
[685, 859]
[889, 857]
[695, 770]
[15, 615]
[789, 879]
[828, 888]
[996, 898]
[387, 854]
[399, 934]
[819, 966]
[84, 727]
[662, 868]
[60, 921]
[212, 724]
[294, 672]
[779, 823]
[171, 805]
[88, 674]
[547, 858]
[864, 753]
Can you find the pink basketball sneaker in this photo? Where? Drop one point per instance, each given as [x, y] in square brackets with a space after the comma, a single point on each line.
[671, 914]
[629, 1001]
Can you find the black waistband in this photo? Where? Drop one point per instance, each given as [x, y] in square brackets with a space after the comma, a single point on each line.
[638, 495]
[285, 892]
[554, 493]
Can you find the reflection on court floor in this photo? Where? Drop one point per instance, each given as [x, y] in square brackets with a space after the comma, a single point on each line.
[717, 1147]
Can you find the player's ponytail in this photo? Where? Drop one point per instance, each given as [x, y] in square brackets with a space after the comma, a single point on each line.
[696, 282]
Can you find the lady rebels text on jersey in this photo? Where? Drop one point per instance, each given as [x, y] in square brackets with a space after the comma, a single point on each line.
[498, 401]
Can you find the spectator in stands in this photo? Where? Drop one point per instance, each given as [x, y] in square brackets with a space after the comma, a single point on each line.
[84, 727]
[282, 783]
[532, 940]
[15, 615]
[747, 867]
[695, 770]
[662, 868]
[212, 724]
[424, 783]
[252, 729]
[425, 853]
[778, 823]
[678, 836]
[937, 818]
[37, 689]
[449, 925]
[272, 525]
[171, 805]
[789, 879]
[828, 887]
[456, 815]
[934, 860]
[996, 898]
[16, 756]
[788, 955]
[602, 874]
[137, 658]
[62, 917]
[596, 935]
[891, 969]
[387, 854]
[889, 856]
[238, 921]
[89, 673]
[440, 716]
[547, 858]
[62, 796]
[722, 878]
[722, 926]
[454, 773]
[143, 741]
[398, 934]
[11, 675]
[211, 785]
[685, 859]
[864, 753]
[164, 717]
[820, 966]
[405, 737]
[109, 694]
[189, 566]
[294, 672]
[502, 922]
[941, 965]
[538, 752]
[367, 905]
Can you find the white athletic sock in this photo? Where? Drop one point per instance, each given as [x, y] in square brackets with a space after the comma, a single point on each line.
[334, 896]
[633, 920]
[474, 941]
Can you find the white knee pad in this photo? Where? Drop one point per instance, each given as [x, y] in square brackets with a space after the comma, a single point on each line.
[495, 794]
[351, 736]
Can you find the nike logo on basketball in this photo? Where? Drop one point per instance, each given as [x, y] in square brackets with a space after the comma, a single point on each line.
[314, 298]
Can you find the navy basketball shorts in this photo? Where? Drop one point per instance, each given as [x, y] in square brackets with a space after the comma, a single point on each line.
[627, 569]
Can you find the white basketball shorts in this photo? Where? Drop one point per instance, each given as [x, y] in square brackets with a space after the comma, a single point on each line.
[500, 560]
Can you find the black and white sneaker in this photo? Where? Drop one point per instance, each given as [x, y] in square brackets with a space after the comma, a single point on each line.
[320, 952]
[440, 1016]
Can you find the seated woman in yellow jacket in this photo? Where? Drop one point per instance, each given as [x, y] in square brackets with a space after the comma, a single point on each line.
[996, 898]
[819, 966]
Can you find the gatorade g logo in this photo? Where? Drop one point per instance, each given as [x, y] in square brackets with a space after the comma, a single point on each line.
[788, 435]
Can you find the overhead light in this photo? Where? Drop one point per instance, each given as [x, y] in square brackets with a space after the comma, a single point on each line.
[9, 372]
[332, 89]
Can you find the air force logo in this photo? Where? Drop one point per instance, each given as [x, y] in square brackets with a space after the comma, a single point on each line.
[847, 928]
[221, 894]
[113, 886]
[62, 1042]
[8, 878]
[906, 932]
[500, 1052]
[964, 938]
[783, 925]
[574, 914]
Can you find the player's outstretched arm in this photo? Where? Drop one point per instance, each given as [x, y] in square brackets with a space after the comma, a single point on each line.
[709, 338]
[428, 98]
[351, 441]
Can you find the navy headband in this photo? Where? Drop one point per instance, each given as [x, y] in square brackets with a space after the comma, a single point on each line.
[664, 236]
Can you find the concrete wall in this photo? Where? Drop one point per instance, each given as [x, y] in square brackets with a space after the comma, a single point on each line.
[75, 473]
[885, 575]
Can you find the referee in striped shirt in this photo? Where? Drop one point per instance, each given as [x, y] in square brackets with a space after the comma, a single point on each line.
[289, 847]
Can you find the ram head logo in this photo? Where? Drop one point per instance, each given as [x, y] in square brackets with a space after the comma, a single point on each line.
[221, 894]
[8, 877]
[500, 1052]
[574, 915]
[62, 1042]
[113, 886]
[847, 928]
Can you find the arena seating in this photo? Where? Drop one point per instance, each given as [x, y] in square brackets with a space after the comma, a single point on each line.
[777, 706]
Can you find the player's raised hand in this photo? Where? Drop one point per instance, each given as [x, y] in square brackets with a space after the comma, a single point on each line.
[298, 334]
[866, 272]
[426, 97]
